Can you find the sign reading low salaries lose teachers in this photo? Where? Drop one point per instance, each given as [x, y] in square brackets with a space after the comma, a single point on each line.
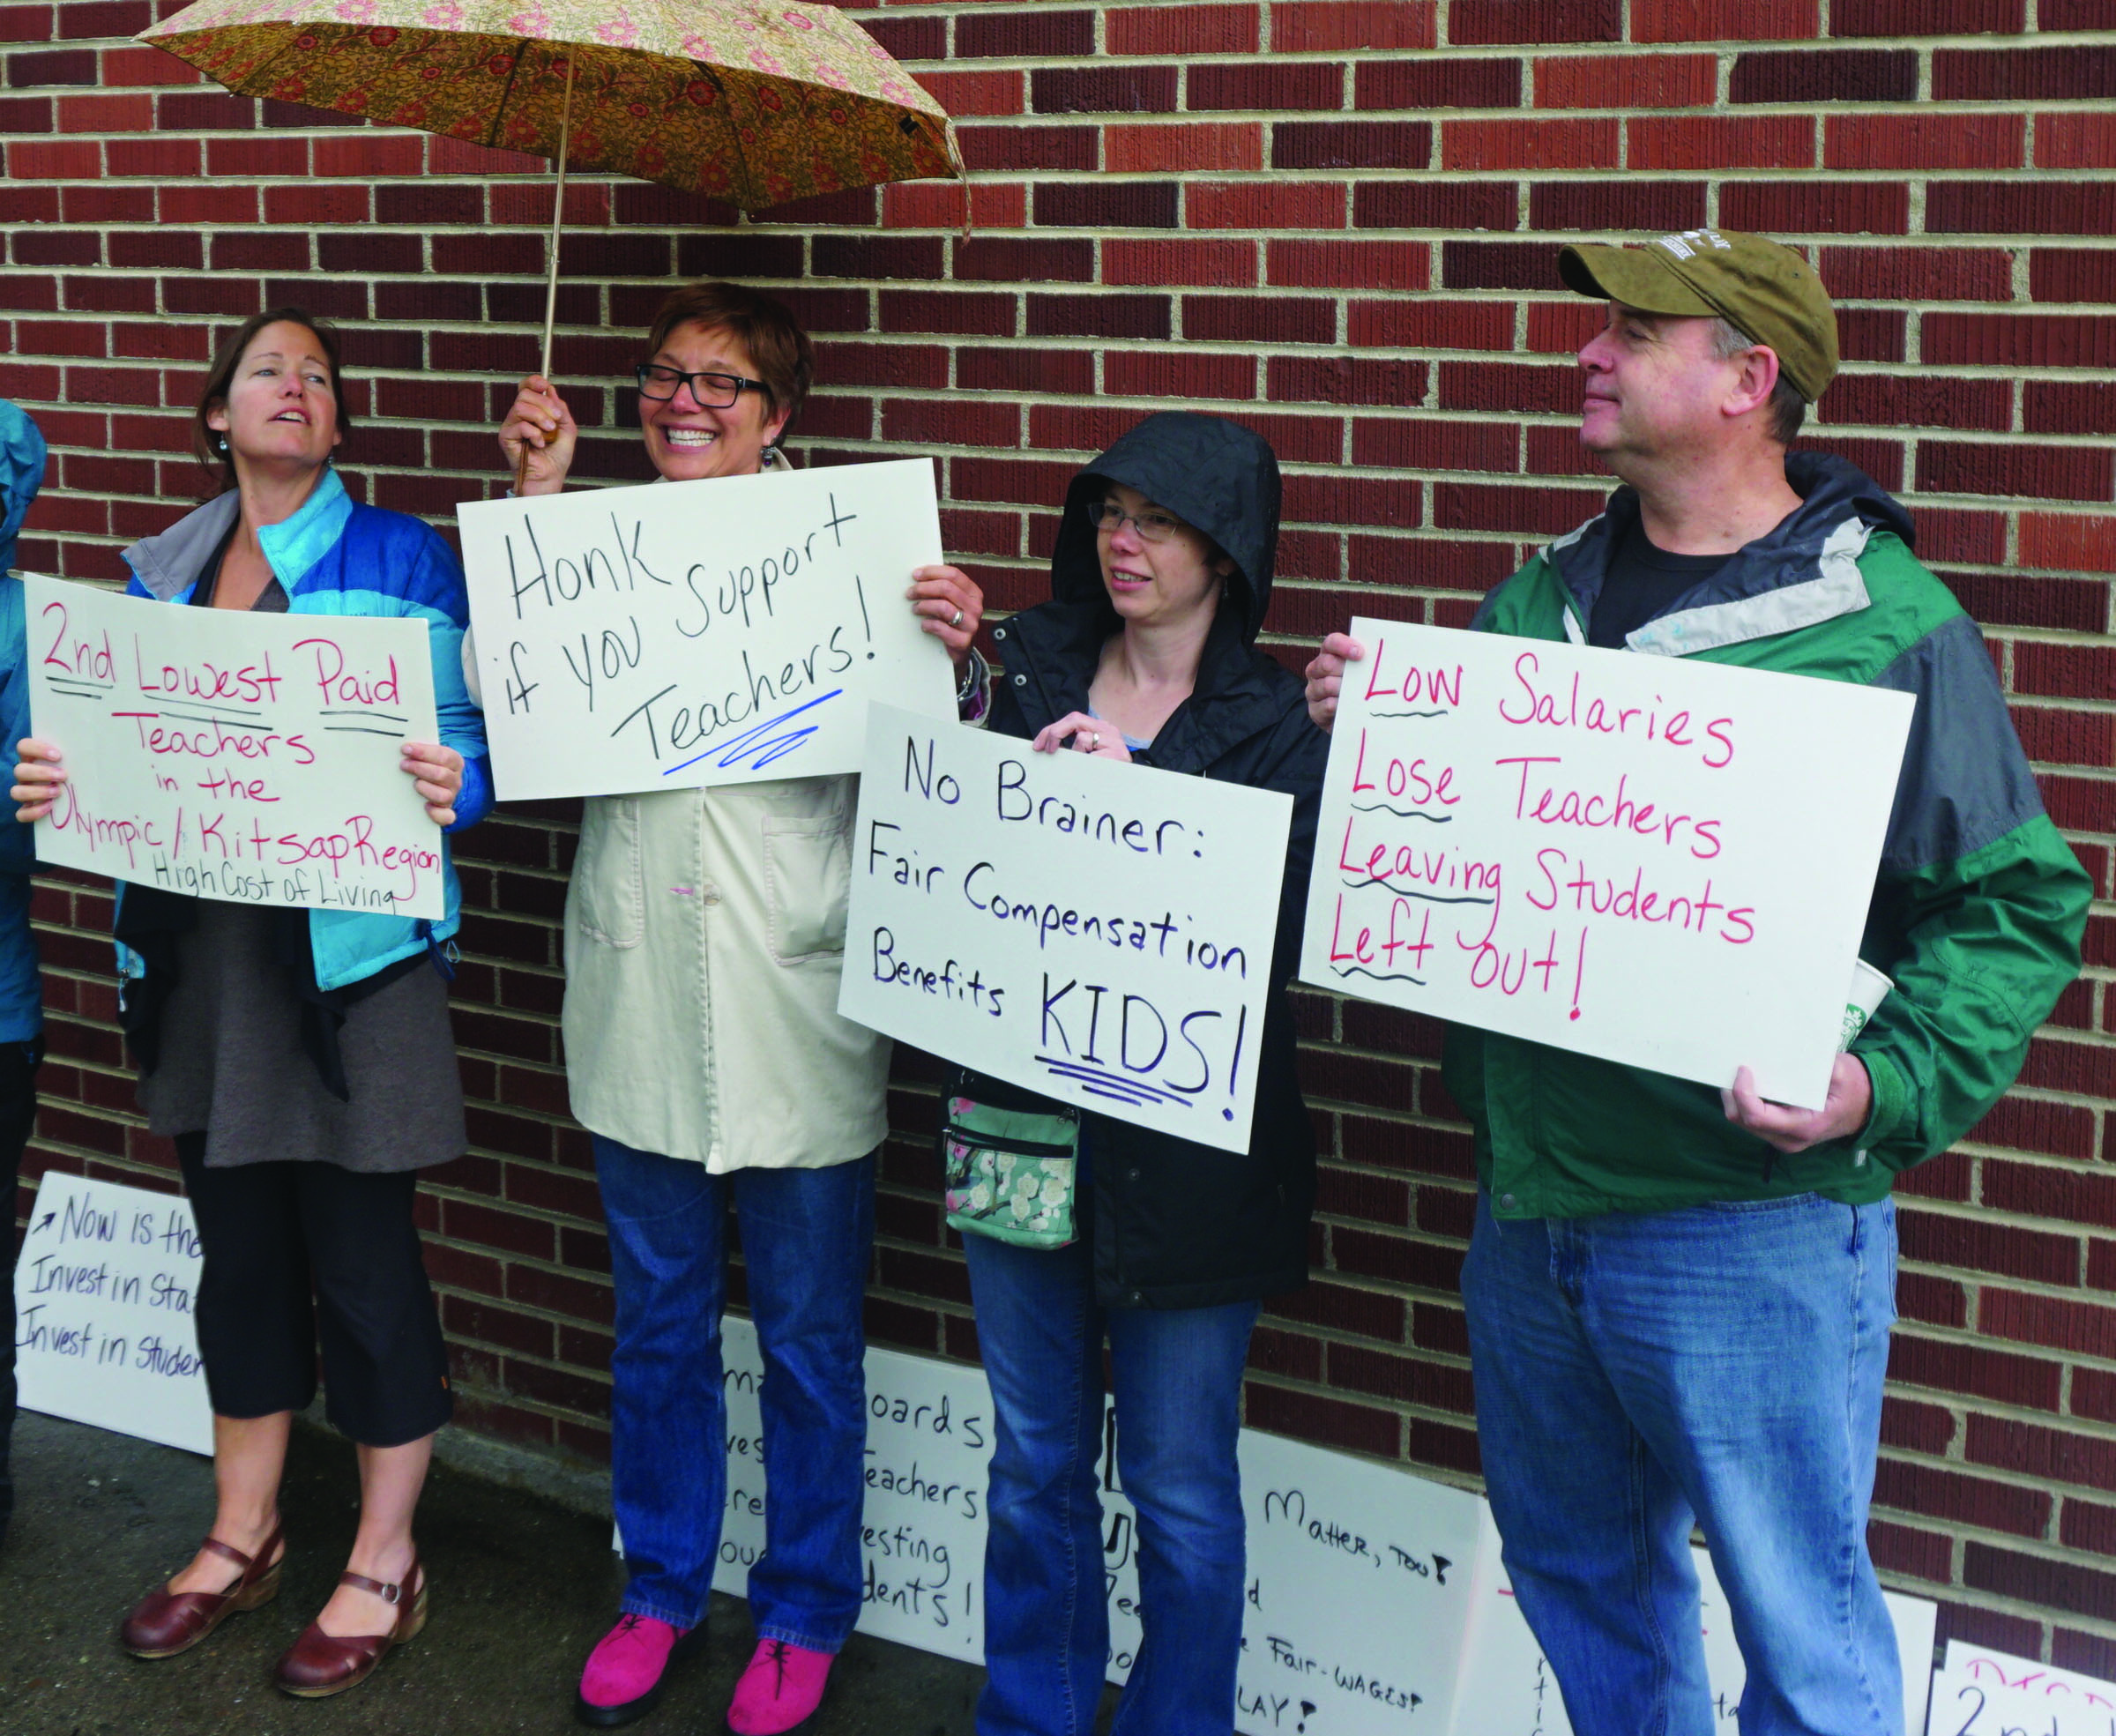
[1099, 932]
[682, 634]
[252, 758]
[104, 1291]
[1654, 859]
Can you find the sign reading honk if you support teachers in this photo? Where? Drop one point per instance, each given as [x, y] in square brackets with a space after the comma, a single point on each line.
[682, 634]
[1658, 860]
[1100, 932]
[252, 758]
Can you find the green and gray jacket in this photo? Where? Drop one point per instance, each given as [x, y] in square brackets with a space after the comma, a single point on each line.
[1977, 911]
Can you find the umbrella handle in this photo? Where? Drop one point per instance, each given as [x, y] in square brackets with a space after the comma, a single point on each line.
[558, 207]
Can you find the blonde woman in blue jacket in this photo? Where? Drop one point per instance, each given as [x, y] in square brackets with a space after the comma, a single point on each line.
[301, 1060]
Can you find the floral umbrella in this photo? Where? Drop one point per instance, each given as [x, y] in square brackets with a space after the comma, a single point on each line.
[753, 103]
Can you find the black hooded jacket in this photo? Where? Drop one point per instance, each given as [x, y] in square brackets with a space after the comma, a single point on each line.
[1177, 1224]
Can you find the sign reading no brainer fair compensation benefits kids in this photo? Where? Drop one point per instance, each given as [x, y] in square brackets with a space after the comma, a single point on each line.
[252, 758]
[1658, 860]
[1097, 932]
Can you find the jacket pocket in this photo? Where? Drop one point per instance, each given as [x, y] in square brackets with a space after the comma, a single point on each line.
[607, 895]
[808, 878]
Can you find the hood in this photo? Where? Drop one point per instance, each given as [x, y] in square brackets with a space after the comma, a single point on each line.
[1803, 570]
[21, 474]
[1210, 473]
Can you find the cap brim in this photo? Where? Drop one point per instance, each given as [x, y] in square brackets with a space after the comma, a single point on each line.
[1631, 275]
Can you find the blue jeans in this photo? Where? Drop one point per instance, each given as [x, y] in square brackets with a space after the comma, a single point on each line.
[1178, 1380]
[807, 1234]
[1724, 1363]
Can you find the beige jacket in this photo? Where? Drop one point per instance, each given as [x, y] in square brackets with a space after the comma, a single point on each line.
[705, 936]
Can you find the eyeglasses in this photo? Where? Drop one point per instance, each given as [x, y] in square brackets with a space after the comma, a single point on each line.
[714, 391]
[1107, 517]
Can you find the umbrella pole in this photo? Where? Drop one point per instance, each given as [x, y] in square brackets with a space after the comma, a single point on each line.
[558, 208]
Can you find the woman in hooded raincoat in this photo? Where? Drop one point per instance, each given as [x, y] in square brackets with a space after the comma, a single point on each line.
[1146, 652]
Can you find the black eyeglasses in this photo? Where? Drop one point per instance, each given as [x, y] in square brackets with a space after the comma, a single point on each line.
[714, 391]
[1107, 517]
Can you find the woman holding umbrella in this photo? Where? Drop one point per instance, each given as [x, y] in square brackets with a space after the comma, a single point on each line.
[704, 937]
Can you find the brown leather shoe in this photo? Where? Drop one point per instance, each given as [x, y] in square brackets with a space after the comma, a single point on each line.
[319, 1665]
[166, 1622]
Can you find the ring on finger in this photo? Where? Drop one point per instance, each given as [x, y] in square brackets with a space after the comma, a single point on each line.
[1093, 741]
[956, 619]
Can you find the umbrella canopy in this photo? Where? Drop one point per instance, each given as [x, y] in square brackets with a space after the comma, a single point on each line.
[752, 103]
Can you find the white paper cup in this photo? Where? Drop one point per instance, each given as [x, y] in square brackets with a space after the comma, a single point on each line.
[1869, 988]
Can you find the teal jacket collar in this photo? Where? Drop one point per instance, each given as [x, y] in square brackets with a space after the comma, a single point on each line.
[171, 563]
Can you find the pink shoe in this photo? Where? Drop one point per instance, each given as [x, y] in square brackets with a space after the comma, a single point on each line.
[780, 1688]
[624, 1673]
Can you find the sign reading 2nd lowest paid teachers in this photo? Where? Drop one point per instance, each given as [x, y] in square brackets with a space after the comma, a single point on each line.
[252, 759]
[682, 633]
[1658, 860]
[1097, 932]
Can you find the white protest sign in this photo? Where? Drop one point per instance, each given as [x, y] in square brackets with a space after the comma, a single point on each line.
[1099, 932]
[103, 1293]
[1980, 1692]
[1507, 1687]
[1658, 860]
[252, 759]
[682, 634]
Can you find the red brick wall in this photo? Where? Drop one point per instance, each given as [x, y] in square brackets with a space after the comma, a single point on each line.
[1337, 220]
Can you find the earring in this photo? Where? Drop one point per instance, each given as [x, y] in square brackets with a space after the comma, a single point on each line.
[220, 445]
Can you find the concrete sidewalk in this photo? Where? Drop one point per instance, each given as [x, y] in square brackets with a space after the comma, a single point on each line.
[521, 1589]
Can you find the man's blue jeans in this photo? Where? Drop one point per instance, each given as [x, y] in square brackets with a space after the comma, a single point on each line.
[1177, 1385]
[807, 1234]
[1722, 1363]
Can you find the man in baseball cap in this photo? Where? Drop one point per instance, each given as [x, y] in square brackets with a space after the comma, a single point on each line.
[1678, 1299]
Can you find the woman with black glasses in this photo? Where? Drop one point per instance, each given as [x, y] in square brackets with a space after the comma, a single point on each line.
[705, 936]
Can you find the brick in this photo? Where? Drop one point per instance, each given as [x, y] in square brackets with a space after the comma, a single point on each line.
[1563, 328]
[1351, 144]
[1720, 141]
[2067, 543]
[109, 113]
[1416, 203]
[1782, 208]
[1220, 264]
[1103, 204]
[374, 157]
[1000, 260]
[2004, 75]
[1350, 264]
[2052, 1321]
[855, 208]
[1034, 369]
[1954, 1367]
[1429, 443]
[68, 159]
[1192, 147]
[1901, 1549]
[1455, 82]
[1499, 265]
[2033, 208]
[1345, 379]
[1102, 315]
[1920, 400]
[1182, 30]
[1530, 144]
[1179, 374]
[1509, 391]
[1871, 334]
[1825, 75]
[307, 204]
[1975, 1245]
[1723, 20]
[1626, 81]
[1534, 21]
[2049, 406]
[1015, 149]
[982, 93]
[882, 257]
[2070, 274]
[2065, 605]
[1924, 141]
[1103, 89]
[1930, 17]
[2065, 140]
[1535, 511]
[1312, 26]
[1259, 319]
[2044, 1191]
[1948, 1494]
[2037, 1579]
[965, 312]
[909, 39]
[1270, 85]
[1287, 205]
[2031, 340]
[1043, 36]
[1332, 1422]
[1946, 273]
[67, 66]
[1615, 205]
[1432, 325]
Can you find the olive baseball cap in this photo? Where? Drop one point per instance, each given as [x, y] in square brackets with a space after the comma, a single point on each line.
[1761, 286]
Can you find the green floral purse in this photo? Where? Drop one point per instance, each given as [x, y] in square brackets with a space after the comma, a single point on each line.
[1010, 1158]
